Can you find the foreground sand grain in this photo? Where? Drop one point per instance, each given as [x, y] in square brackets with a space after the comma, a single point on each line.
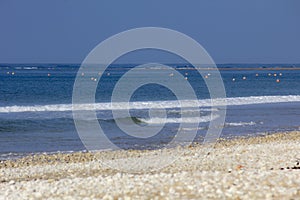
[256, 168]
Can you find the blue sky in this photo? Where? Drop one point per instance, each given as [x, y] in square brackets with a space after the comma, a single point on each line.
[232, 31]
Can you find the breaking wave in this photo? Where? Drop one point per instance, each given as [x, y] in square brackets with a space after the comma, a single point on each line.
[153, 104]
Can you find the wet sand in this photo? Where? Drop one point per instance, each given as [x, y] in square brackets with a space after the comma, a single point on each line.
[265, 167]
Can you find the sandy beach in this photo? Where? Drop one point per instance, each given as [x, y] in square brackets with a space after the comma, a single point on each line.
[265, 167]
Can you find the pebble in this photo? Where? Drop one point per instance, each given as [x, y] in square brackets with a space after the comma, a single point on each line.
[192, 176]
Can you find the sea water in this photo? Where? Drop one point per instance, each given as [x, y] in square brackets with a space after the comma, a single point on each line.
[36, 105]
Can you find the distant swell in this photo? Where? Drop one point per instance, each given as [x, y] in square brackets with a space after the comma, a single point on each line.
[153, 104]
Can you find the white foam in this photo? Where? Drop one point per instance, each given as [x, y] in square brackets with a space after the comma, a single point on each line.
[26, 68]
[187, 110]
[189, 120]
[240, 123]
[153, 104]
[193, 129]
[30, 68]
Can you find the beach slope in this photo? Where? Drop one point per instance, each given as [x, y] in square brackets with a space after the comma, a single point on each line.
[265, 167]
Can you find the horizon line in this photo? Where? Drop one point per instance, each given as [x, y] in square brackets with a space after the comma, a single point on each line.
[166, 63]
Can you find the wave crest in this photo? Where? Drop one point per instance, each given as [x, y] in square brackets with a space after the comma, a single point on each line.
[153, 104]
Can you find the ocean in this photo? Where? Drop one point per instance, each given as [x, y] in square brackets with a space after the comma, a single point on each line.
[36, 105]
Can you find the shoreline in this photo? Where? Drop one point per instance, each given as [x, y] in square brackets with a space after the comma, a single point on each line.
[256, 167]
[41, 158]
